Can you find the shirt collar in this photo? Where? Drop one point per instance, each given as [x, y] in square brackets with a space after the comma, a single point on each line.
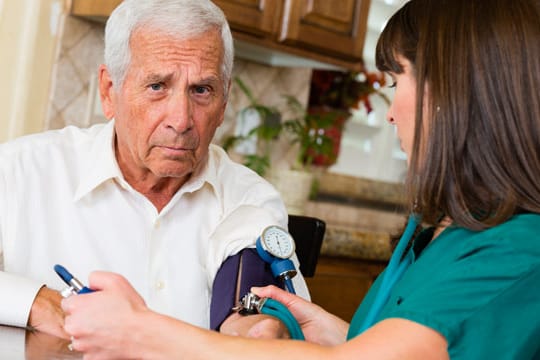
[101, 166]
[206, 173]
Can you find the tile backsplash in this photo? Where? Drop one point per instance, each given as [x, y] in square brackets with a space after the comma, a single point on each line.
[74, 99]
[74, 75]
[367, 149]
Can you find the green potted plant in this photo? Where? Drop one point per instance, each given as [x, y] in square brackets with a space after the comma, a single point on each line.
[308, 131]
[265, 133]
[303, 132]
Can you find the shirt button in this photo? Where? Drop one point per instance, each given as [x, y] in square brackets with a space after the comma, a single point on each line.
[160, 285]
[157, 224]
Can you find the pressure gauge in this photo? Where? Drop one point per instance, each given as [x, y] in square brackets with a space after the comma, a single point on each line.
[278, 242]
[276, 246]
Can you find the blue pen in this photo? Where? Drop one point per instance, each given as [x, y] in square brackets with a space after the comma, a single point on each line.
[75, 286]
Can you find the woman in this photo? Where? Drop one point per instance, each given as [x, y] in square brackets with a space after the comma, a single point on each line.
[467, 110]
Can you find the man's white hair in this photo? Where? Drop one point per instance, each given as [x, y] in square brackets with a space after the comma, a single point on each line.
[181, 18]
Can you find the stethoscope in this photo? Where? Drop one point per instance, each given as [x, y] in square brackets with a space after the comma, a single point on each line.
[275, 246]
[397, 266]
[253, 304]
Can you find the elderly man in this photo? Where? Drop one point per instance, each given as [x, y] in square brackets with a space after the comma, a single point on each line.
[145, 195]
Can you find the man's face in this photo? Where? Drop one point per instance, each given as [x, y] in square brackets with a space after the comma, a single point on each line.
[169, 106]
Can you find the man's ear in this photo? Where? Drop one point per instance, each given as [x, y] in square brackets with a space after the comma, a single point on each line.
[106, 91]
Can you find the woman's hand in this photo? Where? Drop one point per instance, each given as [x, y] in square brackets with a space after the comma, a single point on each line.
[318, 325]
[255, 326]
[103, 322]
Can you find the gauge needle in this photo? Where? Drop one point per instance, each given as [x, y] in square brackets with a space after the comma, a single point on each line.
[278, 243]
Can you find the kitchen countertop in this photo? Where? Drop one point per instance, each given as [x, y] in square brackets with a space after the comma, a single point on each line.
[355, 190]
[360, 216]
[356, 244]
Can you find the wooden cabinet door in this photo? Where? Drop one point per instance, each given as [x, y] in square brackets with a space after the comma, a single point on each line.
[336, 28]
[256, 17]
[94, 8]
[339, 285]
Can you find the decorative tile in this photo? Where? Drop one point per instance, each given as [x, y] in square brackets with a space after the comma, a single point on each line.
[351, 232]
[82, 45]
[267, 85]
[74, 30]
[76, 112]
[54, 119]
[87, 54]
[67, 84]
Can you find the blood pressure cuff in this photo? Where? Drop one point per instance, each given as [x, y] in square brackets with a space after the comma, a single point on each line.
[234, 279]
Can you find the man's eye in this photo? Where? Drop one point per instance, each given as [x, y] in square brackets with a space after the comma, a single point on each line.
[201, 90]
[156, 87]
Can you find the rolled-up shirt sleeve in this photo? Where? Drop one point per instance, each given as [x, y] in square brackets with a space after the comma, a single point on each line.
[18, 292]
[17, 298]
[240, 229]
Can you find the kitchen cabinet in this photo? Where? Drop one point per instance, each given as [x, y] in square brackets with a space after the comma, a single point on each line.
[326, 31]
[93, 9]
[333, 27]
[340, 284]
[258, 18]
[332, 32]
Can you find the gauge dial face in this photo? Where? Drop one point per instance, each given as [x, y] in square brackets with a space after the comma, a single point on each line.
[278, 242]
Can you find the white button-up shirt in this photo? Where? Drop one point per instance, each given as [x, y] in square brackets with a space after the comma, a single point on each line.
[63, 200]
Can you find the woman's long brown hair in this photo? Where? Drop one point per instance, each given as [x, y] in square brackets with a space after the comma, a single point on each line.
[480, 63]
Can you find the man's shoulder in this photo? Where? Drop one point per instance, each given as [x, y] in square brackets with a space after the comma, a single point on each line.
[231, 172]
[49, 154]
[233, 179]
[40, 144]
[223, 165]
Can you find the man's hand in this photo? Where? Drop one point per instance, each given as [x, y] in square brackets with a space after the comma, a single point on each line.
[256, 326]
[38, 344]
[46, 314]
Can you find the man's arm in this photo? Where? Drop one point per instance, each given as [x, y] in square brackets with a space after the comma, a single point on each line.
[46, 314]
[24, 302]
[237, 275]
[29, 303]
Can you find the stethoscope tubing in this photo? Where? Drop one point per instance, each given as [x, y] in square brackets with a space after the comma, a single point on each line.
[275, 308]
[394, 271]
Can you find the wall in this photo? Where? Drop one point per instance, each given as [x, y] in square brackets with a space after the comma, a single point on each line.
[48, 68]
[29, 31]
[74, 100]
[369, 146]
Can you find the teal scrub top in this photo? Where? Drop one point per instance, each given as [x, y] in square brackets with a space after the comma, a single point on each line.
[480, 290]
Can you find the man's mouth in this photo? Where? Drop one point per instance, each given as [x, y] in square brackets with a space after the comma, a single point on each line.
[174, 150]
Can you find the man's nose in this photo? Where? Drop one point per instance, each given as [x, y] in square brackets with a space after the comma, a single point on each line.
[179, 116]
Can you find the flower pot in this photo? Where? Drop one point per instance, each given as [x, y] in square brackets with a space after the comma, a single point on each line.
[294, 187]
[333, 131]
